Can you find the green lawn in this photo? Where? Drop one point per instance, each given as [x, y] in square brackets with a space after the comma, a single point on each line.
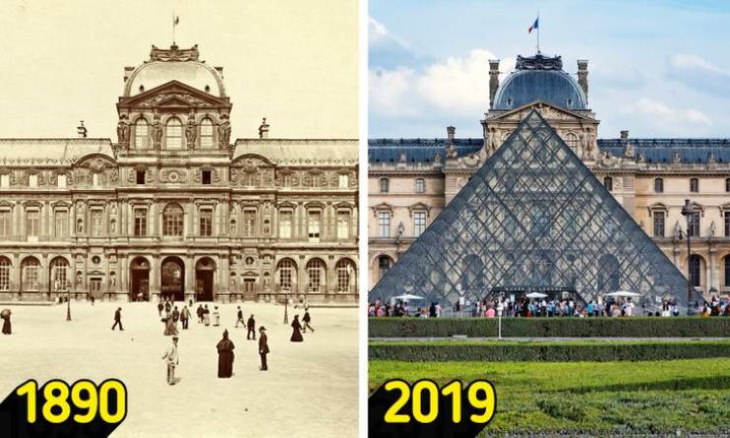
[640, 398]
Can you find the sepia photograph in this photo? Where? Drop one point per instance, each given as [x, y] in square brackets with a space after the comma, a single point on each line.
[179, 214]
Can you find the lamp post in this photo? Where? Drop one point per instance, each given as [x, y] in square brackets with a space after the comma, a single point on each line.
[688, 212]
[68, 303]
[286, 306]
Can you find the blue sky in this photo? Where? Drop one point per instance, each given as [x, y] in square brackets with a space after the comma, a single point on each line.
[657, 68]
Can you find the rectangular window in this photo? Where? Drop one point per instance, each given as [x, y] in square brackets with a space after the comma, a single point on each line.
[140, 177]
[313, 225]
[206, 176]
[61, 180]
[32, 222]
[420, 185]
[33, 180]
[419, 223]
[206, 222]
[5, 180]
[658, 224]
[140, 222]
[95, 286]
[727, 223]
[384, 185]
[6, 225]
[694, 185]
[249, 223]
[694, 229]
[343, 224]
[61, 223]
[97, 223]
[384, 224]
[285, 224]
[344, 181]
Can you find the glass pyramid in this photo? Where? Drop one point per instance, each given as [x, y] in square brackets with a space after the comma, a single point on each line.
[534, 218]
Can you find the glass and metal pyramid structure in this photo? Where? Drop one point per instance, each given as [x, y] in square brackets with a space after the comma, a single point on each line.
[534, 218]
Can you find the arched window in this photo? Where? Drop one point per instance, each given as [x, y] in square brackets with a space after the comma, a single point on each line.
[608, 183]
[695, 270]
[345, 275]
[384, 264]
[571, 140]
[59, 275]
[420, 185]
[206, 133]
[172, 220]
[287, 274]
[141, 134]
[173, 134]
[316, 275]
[5, 273]
[30, 269]
[659, 185]
[384, 185]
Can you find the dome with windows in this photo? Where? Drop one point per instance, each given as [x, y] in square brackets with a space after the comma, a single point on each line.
[174, 64]
[540, 78]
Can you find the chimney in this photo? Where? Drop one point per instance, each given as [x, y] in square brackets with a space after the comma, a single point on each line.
[624, 135]
[264, 129]
[450, 131]
[583, 75]
[493, 80]
[81, 130]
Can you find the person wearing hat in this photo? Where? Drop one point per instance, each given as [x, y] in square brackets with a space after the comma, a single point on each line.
[172, 361]
[251, 324]
[118, 319]
[239, 317]
[263, 348]
[225, 356]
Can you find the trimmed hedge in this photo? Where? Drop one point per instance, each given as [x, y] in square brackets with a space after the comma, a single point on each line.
[600, 351]
[631, 327]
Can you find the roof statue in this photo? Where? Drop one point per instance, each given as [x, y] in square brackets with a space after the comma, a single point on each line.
[533, 218]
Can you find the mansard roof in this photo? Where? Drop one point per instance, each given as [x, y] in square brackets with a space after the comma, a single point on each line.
[301, 152]
[51, 151]
[418, 150]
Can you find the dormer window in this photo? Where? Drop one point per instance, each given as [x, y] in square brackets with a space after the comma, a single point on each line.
[207, 88]
[141, 88]
[173, 134]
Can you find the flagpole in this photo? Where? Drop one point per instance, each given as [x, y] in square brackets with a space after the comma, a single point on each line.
[538, 32]
[173, 27]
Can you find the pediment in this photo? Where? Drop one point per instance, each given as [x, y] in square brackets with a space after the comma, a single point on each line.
[547, 111]
[252, 161]
[174, 95]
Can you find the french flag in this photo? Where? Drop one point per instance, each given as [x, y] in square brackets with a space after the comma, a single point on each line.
[534, 25]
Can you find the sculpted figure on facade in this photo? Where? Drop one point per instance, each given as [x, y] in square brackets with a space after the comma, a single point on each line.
[224, 132]
[191, 131]
[123, 131]
[156, 131]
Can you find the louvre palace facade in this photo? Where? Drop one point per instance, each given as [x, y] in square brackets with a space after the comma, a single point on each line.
[175, 207]
[411, 182]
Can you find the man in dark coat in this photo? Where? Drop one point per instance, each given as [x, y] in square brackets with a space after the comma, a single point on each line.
[251, 324]
[263, 348]
[175, 315]
[160, 306]
[306, 320]
[225, 356]
[239, 317]
[118, 319]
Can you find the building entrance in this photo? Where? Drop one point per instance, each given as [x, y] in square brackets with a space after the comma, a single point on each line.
[173, 279]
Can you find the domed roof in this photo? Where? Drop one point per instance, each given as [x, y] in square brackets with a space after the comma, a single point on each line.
[539, 78]
[174, 65]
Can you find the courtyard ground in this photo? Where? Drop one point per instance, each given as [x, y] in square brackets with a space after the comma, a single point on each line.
[310, 390]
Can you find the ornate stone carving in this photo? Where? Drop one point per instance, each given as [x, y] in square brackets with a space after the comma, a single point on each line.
[224, 132]
[174, 53]
[191, 131]
[123, 130]
[156, 131]
[538, 62]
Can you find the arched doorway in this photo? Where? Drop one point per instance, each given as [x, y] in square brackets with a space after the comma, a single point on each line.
[173, 279]
[204, 273]
[346, 276]
[139, 272]
[59, 277]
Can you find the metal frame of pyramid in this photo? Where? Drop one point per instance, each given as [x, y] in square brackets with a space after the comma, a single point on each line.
[533, 218]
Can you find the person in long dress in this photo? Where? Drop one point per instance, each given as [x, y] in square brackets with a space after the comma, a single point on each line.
[206, 315]
[225, 356]
[7, 327]
[296, 335]
[216, 317]
[170, 327]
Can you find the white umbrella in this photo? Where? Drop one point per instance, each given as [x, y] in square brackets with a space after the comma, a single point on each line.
[536, 295]
[623, 293]
[408, 297]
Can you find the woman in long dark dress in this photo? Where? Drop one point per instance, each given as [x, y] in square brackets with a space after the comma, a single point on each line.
[6, 323]
[296, 335]
[225, 356]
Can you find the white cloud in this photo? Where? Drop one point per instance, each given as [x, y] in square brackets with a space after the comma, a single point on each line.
[456, 87]
[680, 121]
[693, 62]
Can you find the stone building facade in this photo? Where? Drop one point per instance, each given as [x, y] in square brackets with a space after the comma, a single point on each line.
[175, 207]
[411, 180]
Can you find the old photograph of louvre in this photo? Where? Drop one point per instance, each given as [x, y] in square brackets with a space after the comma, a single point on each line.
[178, 210]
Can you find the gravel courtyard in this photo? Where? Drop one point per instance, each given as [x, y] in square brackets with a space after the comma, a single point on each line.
[310, 390]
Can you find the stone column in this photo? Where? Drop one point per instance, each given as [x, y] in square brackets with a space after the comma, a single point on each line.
[190, 277]
[123, 275]
[155, 277]
[223, 275]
